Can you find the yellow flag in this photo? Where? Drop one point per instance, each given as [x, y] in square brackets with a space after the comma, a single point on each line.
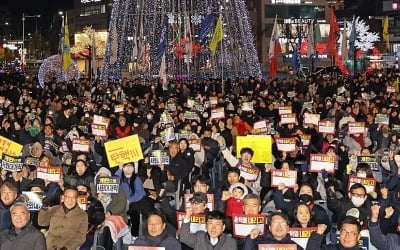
[386, 32]
[66, 47]
[217, 36]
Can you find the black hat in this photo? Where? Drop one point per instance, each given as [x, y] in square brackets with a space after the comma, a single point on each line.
[199, 197]
[37, 182]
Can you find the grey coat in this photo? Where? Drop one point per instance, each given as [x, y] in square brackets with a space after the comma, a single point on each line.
[27, 238]
[201, 241]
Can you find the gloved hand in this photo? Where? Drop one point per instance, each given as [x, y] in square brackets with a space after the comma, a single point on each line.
[304, 167]
[324, 174]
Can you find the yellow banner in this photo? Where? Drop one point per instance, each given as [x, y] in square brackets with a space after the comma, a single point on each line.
[262, 146]
[123, 150]
[9, 147]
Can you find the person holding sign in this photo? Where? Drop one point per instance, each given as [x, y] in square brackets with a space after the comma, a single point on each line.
[279, 233]
[81, 174]
[156, 235]
[213, 239]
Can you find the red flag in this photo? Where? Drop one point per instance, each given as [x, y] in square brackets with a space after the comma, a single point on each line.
[334, 28]
[274, 50]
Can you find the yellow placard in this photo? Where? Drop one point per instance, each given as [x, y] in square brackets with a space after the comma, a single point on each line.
[123, 150]
[262, 146]
[9, 147]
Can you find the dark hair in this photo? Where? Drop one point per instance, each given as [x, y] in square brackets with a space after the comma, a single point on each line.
[308, 185]
[70, 188]
[356, 186]
[311, 222]
[203, 179]
[366, 168]
[352, 221]
[233, 170]
[207, 129]
[238, 187]
[247, 150]
[216, 215]
[282, 215]
[159, 214]
[184, 139]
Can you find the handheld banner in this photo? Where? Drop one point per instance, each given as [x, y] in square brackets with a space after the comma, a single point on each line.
[322, 161]
[107, 185]
[243, 224]
[262, 146]
[288, 178]
[123, 150]
[197, 222]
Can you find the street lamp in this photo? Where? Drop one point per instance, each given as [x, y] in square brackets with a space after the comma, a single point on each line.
[23, 35]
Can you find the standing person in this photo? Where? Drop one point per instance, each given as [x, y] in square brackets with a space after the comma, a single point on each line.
[22, 234]
[67, 223]
[156, 235]
[213, 239]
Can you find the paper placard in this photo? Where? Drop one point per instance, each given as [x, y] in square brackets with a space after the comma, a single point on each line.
[184, 134]
[286, 144]
[213, 100]
[260, 124]
[341, 99]
[327, 127]
[396, 128]
[107, 185]
[288, 178]
[285, 110]
[167, 135]
[33, 200]
[195, 144]
[247, 106]
[9, 147]
[261, 145]
[288, 118]
[190, 115]
[52, 174]
[158, 157]
[243, 224]
[171, 107]
[322, 161]
[31, 161]
[99, 130]
[123, 150]
[166, 118]
[277, 247]
[305, 139]
[248, 173]
[368, 183]
[210, 201]
[390, 89]
[198, 107]
[311, 118]
[370, 160]
[80, 145]
[197, 222]
[11, 163]
[356, 127]
[218, 113]
[382, 119]
[291, 94]
[301, 235]
[82, 202]
[119, 108]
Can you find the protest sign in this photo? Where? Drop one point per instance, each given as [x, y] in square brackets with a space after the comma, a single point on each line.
[82, 202]
[33, 200]
[184, 134]
[123, 150]
[370, 160]
[356, 127]
[301, 235]
[286, 144]
[9, 147]
[101, 120]
[311, 118]
[53, 174]
[368, 183]
[107, 185]
[327, 127]
[260, 124]
[288, 178]
[31, 161]
[167, 135]
[210, 201]
[277, 247]
[80, 145]
[285, 110]
[195, 144]
[305, 139]
[249, 173]
[197, 222]
[99, 130]
[382, 119]
[190, 115]
[158, 157]
[288, 118]
[261, 145]
[247, 106]
[243, 224]
[166, 118]
[11, 163]
[322, 161]
[218, 113]
[213, 100]
[119, 108]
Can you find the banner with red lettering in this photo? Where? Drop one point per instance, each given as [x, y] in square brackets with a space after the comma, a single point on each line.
[243, 224]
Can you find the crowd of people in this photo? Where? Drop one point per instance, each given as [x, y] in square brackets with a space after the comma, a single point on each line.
[195, 125]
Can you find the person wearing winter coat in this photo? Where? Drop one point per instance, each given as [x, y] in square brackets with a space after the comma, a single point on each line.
[390, 241]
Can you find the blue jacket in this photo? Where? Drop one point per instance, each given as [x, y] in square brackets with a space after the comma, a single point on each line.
[5, 217]
[139, 190]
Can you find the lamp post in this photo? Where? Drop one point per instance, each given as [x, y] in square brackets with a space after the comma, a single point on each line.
[23, 35]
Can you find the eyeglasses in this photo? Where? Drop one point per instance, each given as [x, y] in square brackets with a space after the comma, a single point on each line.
[358, 195]
[345, 233]
[279, 224]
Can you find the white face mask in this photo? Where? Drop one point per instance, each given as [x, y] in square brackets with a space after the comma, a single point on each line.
[357, 201]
